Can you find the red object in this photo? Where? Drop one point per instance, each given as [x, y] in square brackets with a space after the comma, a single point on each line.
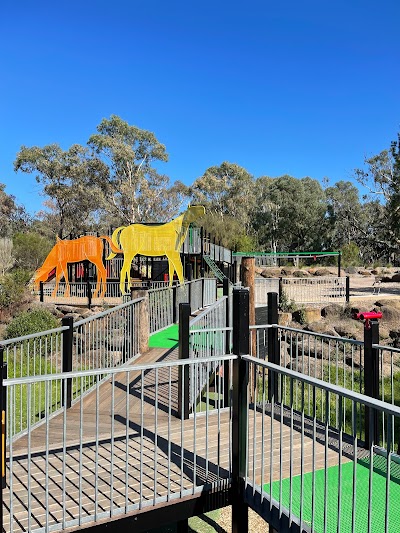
[165, 277]
[368, 315]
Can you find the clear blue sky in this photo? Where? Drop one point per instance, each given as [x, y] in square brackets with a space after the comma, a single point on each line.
[280, 87]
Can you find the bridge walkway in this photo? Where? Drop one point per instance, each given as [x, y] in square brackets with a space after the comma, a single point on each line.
[122, 450]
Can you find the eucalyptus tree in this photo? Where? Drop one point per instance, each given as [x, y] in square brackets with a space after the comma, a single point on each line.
[344, 214]
[123, 168]
[290, 215]
[226, 190]
[63, 175]
[381, 177]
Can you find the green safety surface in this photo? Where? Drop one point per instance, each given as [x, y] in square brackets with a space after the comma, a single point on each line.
[167, 338]
[378, 497]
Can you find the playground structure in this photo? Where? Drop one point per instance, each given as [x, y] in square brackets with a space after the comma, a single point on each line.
[162, 240]
[154, 438]
[87, 248]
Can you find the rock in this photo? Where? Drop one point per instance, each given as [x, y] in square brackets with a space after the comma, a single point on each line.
[321, 327]
[322, 272]
[351, 270]
[390, 314]
[365, 273]
[301, 274]
[350, 329]
[388, 302]
[396, 277]
[332, 310]
[86, 313]
[271, 273]
[68, 309]
[307, 315]
[76, 317]
[284, 319]
[288, 271]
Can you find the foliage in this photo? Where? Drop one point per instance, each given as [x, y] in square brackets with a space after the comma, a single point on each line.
[350, 254]
[285, 304]
[123, 169]
[6, 255]
[12, 216]
[29, 322]
[13, 287]
[228, 231]
[30, 249]
[291, 214]
[226, 191]
[63, 175]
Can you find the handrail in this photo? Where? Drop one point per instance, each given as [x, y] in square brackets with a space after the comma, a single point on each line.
[207, 311]
[107, 312]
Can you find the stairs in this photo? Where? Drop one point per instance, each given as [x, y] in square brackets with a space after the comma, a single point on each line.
[214, 268]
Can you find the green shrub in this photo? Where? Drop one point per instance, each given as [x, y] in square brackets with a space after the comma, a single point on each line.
[13, 286]
[286, 305]
[31, 322]
[350, 255]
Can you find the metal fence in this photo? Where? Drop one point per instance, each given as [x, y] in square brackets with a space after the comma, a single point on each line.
[209, 335]
[104, 340]
[117, 452]
[161, 309]
[309, 472]
[316, 290]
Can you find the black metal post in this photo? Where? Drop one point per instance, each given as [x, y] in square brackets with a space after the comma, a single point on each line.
[225, 289]
[174, 313]
[183, 383]
[339, 264]
[371, 378]
[347, 289]
[41, 291]
[280, 290]
[68, 337]
[241, 337]
[274, 354]
[89, 294]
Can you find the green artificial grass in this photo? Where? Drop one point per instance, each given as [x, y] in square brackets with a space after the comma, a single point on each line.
[167, 338]
[378, 497]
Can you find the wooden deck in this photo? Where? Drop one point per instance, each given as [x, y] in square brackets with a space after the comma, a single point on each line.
[122, 450]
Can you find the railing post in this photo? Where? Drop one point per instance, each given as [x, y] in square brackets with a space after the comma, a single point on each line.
[174, 313]
[274, 354]
[280, 290]
[225, 288]
[183, 380]
[89, 294]
[339, 263]
[68, 337]
[241, 337]
[371, 378]
[347, 289]
[3, 440]
[41, 292]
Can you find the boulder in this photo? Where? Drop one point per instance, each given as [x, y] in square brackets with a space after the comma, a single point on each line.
[301, 274]
[307, 315]
[351, 270]
[390, 314]
[388, 302]
[271, 273]
[350, 329]
[365, 273]
[322, 272]
[68, 309]
[332, 310]
[321, 327]
[284, 319]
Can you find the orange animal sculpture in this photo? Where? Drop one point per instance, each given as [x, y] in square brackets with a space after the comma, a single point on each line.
[88, 248]
[160, 240]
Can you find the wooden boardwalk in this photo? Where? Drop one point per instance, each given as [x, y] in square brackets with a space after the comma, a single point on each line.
[122, 448]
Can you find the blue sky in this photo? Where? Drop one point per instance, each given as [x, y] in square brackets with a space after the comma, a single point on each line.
[290, 87]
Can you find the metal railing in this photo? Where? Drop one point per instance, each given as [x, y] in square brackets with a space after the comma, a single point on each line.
[209, 335]
[309, 468]
[104, 340]
[117, 452]
[164, 302]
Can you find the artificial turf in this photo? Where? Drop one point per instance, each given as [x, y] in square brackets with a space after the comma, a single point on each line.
[167, 338]
[378, 498]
